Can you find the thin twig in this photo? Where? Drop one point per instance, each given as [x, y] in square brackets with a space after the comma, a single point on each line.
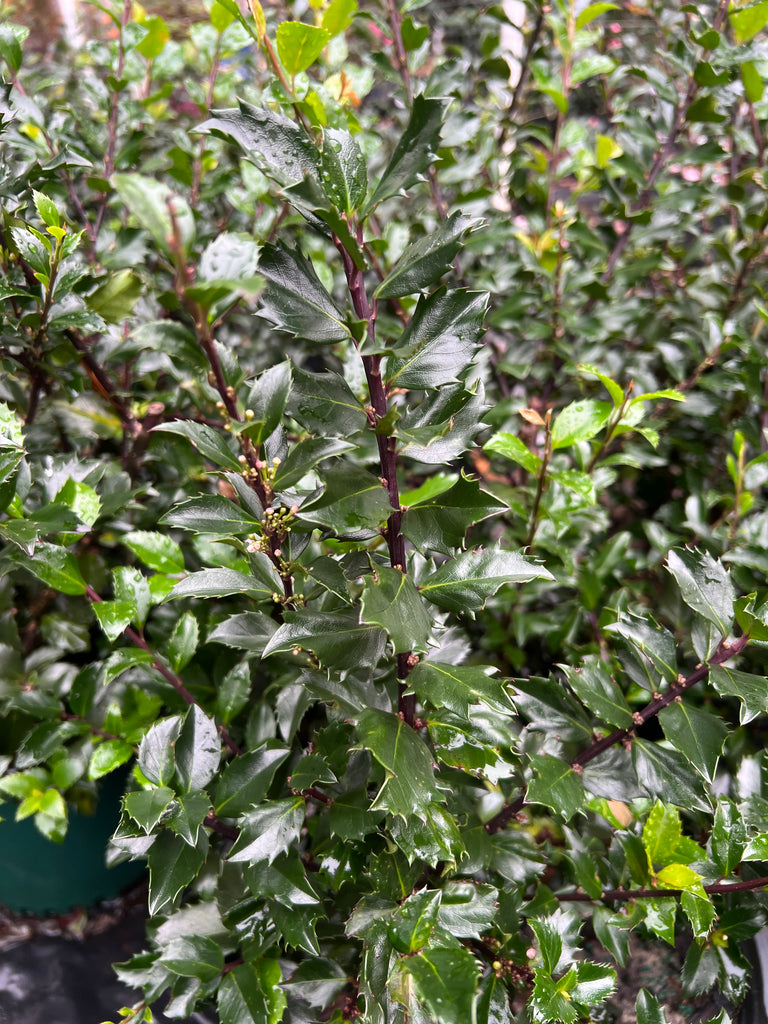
[716, 889]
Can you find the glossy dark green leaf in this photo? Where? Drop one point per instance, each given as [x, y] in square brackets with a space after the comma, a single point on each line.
[445, 981]
[268, 830]
[208, 442]
[728, 838]
[280, 148]
[705, 586]
[295, 301]
[147, 806]
[193, 956]
[245, 781]
[114, 617]
[266, 401]
[212, 514]
[440, 522]
[247, 631]
[547, 705]
[466, 582]
[304, 456]
[337, 640]
[251, 994]
[425, 261]
[697, 734]
[412, 923]
[197, 750]
[410, 785]
[343, 173]
[222, 583]
[415, 151]
[324, 404]
[433, 839]
[660, 917]
[466, 908]
[443, 425]
[456, 688]
[667, 775]
[156, 757]
[173, 864]
[556, 785]
[317, 981]
[752, 690]
[593, 685]
[390, 600]
[656, 656]
[353, 501]
[438, 344]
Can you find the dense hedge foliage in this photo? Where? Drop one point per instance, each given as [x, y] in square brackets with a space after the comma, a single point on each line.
[383, 441]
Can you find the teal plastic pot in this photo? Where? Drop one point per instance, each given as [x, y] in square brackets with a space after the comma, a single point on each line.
[44, 878]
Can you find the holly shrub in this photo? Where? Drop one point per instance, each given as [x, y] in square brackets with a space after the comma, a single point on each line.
[383, 450]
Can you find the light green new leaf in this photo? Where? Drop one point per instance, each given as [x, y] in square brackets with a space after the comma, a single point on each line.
[466, 582]
[299, 45]
[512, 448]
[391, 600]
[156, 550]
[410, 786]
[589, 14]
[55, 566]
[268, 830]
[579, 421]
[748, 19]
[183, 641]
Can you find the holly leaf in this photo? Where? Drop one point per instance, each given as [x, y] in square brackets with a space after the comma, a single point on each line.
[555, 785]
[414, 152]
[751, 690]
[697, 734]
[410, 785]
[252, 994]
[439, 341]
[295, 301]
[280, 148]
[338, 640]
[458, 687]
[268, 830]
[425, 260]
[390, 600]
[705, 586]
[445, 981]
[440, 522]
[464, 583]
